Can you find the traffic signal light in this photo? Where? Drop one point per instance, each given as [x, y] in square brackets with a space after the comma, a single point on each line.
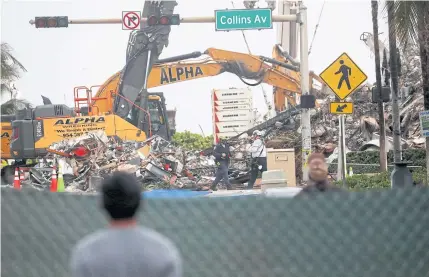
[52, 22]
[172, 19]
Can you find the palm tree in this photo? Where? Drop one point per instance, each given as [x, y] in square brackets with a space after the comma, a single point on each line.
[412, 26]
[383, 154]
[10, 69]
[10, 72]
[13, 105]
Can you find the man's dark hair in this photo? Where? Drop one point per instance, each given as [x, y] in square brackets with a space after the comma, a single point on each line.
[121, 195]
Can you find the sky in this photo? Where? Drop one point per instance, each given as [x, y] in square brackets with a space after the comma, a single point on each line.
[58, 60]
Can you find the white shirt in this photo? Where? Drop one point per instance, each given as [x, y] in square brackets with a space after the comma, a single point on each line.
[257, 149]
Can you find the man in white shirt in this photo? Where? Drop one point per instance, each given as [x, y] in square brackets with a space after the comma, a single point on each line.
[259, 157]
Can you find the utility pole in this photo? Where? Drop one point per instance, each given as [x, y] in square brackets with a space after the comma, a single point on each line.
[383, 154]
[305, 83]
[394, 83]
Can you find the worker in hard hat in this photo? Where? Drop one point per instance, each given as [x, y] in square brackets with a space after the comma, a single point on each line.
[222, 155]
[258, 153]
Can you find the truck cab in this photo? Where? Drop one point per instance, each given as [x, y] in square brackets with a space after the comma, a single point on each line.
[91, 104]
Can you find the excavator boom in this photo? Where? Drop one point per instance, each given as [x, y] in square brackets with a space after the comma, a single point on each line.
[216, 61]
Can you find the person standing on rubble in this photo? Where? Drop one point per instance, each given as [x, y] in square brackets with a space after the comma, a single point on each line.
[258, 152]
[318, 177]
[222, 155]
[124, 249]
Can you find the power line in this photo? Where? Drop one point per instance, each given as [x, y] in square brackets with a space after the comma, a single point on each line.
[317, 26]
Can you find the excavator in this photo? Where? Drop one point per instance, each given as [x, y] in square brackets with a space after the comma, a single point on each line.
[123, 108]
[278, 72]
[37, 129]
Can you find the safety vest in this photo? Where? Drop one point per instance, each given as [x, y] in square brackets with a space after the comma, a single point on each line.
[4, 163]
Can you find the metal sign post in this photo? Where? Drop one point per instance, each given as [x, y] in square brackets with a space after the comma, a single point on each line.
[343, 77]
[342, 163]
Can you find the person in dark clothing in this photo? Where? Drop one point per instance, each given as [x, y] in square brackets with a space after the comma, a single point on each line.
[318, 176]
[222, 156]
[124, 248]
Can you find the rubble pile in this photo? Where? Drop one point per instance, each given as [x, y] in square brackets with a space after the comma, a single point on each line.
[85, 161]
[358, 127]
[364, 123]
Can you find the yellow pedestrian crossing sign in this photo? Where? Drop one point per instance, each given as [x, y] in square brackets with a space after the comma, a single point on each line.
[343, 76]
[341, 107]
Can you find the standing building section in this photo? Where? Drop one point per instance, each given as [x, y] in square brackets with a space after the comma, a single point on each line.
[232, 112]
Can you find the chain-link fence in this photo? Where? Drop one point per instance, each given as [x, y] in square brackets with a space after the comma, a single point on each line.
[384, 233]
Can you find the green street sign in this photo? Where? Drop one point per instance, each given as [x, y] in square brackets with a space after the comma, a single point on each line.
[229, 20]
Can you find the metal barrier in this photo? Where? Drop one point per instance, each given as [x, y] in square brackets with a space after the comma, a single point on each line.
[341, 234]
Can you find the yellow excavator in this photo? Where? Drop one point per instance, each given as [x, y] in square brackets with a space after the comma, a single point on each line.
[35, 130]
[277, 71]
[95, 112]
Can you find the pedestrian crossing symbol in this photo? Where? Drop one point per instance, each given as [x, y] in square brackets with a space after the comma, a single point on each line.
[343, 76]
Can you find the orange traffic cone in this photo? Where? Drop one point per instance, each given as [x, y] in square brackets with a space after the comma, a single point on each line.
[54, 183]
[17, 181]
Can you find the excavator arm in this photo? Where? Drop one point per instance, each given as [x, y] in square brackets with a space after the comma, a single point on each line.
[214, 61]
[282, 94]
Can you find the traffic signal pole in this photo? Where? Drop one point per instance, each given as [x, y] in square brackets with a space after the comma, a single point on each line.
[202, 19]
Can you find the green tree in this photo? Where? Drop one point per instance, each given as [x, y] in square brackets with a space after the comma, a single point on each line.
[191, 141]
[10, 72]
[12, 105]
[10, 69]
[412, 26]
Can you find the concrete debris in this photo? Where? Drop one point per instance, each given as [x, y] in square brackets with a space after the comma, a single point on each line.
[85, 162]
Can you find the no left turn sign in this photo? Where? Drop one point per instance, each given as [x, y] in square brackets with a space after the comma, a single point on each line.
[130, 20]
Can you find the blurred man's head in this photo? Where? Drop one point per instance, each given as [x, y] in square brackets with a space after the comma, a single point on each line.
[317, 167]
[121, 196]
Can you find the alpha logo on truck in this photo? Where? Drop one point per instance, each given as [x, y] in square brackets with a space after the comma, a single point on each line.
[171, 75]
[86, 120]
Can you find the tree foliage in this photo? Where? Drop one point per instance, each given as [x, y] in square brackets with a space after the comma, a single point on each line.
[12, 105]
[411, 20]
[10, 69]
[191, 141]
